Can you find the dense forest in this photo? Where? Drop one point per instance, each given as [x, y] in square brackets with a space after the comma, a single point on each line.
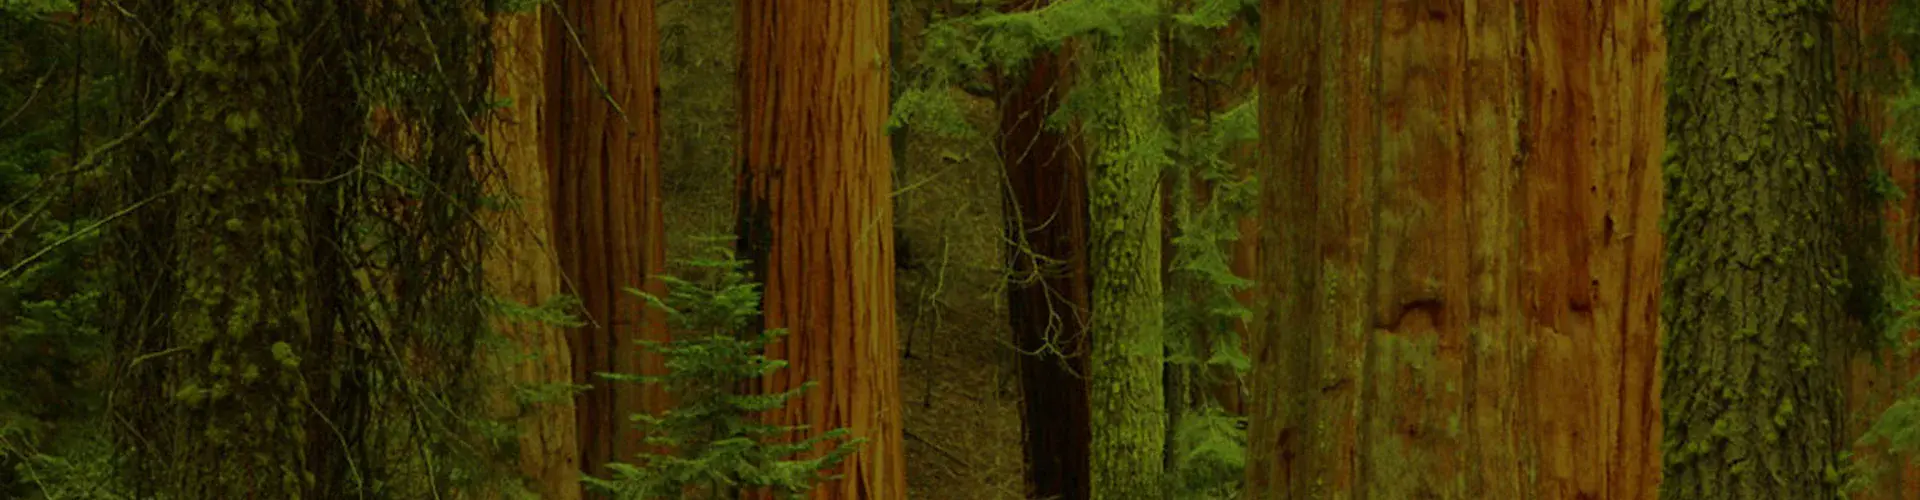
[959, 249]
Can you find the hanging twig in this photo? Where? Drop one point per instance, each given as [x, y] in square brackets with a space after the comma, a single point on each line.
[76, 234]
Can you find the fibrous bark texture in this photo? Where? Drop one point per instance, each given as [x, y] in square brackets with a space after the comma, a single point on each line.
[815, 223]
[604, 172]
[1047, 297]
[1123, 131]
[1755, 272]
[1459, 250]
[520, 261]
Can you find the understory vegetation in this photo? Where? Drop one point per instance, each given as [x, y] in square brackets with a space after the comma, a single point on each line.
[973, 249]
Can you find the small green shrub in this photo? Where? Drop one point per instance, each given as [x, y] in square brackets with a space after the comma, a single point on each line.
[713, 448]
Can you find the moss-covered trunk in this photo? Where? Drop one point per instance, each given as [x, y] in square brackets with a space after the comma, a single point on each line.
[1458, 251]
[815, 222]
[1124, 131]
[1047, 296]
[602, 124]
[520, 265]
[1755, 272]
[231, 400]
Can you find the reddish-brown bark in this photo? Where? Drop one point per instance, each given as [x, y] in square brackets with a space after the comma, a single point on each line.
[520, 265]
[1463, 197]
[1873, 380]
[1047, 299]
[815, 220]
[603, 152]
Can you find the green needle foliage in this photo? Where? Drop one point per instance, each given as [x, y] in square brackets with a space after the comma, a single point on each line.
[1189, 155]
[709, 445]
[1890, 300]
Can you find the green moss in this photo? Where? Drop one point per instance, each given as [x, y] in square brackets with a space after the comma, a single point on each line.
[1756, 261]
[1124, 130]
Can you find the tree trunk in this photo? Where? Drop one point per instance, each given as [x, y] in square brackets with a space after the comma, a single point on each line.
[1303, 433]
[1754, 285]
[1047, 297]
[1460, 198]
[520, 264]
[815, 221]
[602, 82]
[241, 255]
[1127, 360]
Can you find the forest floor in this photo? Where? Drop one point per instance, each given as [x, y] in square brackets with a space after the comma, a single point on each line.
[960, 379]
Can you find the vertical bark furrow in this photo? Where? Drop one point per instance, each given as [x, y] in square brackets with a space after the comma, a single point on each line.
[1465, 206]
[816, 172]
[520, 263]
[602, 76]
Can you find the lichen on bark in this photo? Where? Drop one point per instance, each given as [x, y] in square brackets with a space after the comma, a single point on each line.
[235, 424]
[1127, 141]
[1755, 273]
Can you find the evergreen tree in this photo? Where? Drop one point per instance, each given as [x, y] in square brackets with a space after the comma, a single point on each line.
[234, 420]
[1047, 297]
[1754, 277]
[520, 272]
[1128, 144]
[710, 445]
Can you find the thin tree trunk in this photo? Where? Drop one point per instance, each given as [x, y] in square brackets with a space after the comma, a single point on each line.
[1047, 298]
[1127, 360]
[1232, 63]
[520, 261]
[602, 118]
[815, 221]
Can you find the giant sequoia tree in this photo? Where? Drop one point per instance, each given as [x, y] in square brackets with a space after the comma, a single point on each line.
[603, 141]
[814, 222]
[1755, 265]
[1459, 250]
[520, 265]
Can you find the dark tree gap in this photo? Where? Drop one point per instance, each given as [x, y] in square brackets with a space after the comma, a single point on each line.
[1047, 301]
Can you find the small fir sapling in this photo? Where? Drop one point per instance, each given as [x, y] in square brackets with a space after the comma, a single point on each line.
[709, 445]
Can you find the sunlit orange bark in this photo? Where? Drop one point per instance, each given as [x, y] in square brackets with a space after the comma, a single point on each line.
[816, 221]
[1594, 126]
[603, 147]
